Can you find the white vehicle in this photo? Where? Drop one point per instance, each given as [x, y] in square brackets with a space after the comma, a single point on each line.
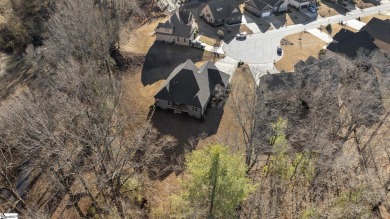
[241, 35]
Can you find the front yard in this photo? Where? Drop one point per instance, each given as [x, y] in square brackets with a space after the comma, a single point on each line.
[335, 29]
[328, 9]
[303, 46]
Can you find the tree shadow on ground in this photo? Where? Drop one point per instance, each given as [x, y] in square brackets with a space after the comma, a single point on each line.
[161, 59]
[187, 132]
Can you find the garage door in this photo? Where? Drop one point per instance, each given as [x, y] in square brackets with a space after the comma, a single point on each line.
[265, 14]
[304, 6]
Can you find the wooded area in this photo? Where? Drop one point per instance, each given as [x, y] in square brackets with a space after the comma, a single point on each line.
[316, 141]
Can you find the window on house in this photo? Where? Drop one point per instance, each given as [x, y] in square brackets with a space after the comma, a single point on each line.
[169, 103]
[178, 39]
[196, 109]
[184, 39]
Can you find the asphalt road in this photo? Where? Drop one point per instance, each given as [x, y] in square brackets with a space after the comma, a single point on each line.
[260, 48]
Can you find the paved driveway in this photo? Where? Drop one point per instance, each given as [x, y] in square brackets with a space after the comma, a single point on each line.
[260, 48]
[255, 49]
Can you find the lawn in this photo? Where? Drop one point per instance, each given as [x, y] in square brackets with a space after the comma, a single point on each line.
[328, 9]
[140, 39]
[303, 46]
[361, 4]
[379, 16]
[336, 28]
[208, 40]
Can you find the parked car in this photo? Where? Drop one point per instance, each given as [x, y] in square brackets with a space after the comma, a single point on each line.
[312, 9]
[197, 44]
[241, 35]
[279, 50]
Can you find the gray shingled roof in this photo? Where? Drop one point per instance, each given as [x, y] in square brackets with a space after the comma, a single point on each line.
[189, 85]
[274, 3]
[222, 9]
[260, 5]
[379, 29]
[180, 23]
[214, 75]
[302, 1]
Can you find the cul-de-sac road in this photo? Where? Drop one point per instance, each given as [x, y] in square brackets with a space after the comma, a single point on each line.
[260, 48]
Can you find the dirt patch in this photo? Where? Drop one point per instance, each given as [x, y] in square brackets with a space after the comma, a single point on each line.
[379, 16]
[138, 41]
[303, 46]
[328, 9]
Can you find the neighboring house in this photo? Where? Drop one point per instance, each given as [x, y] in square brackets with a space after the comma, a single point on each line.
[300, 4]
[221, 12]
[264, 8]
[380, 30]
[258, 8]
[178, 29]
[189, 88]
[348, 43]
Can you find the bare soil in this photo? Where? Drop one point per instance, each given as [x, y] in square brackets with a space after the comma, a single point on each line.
[303, 46]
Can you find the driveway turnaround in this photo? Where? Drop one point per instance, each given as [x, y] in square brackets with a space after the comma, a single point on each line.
[260, 48]
[227, 65]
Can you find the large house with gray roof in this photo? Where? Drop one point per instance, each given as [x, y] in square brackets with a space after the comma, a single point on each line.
[220, 12]
[264, 8]
[189, 89]
[178, 29]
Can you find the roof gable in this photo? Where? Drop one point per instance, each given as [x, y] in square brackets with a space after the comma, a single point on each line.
[221, 9]
[192, 86]
[379, 29]
[180, 22]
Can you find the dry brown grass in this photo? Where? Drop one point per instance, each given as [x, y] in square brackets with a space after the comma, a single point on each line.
[228, 133]
[139, 40]
[379, 16]
[208, 40]
[244, 28]
[336, 28]
[361, 4]
[304, 46]
[328, 9]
